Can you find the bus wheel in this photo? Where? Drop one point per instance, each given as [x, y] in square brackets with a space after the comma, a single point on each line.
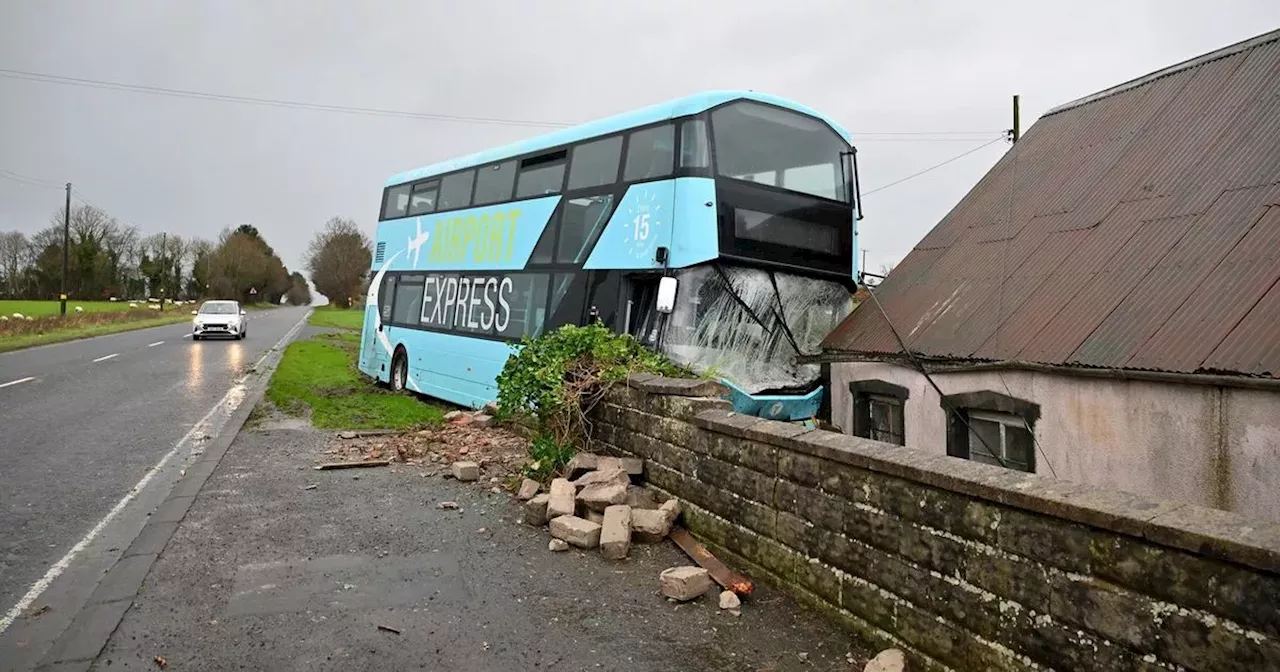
[399, 371]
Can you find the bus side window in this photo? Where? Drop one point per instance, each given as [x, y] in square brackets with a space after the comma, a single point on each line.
[494, 183]
[385, 294]
[423, 198]
[595, 163]
[528, 306]
[396, 201]
[651, 153]
[695, 152]
[541, 175]
[455, 190]
[408, 301]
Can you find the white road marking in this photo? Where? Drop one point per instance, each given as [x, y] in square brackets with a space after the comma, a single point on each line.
[15, 382]
[155, 344]
[186, 335]
[228, 404]
[103, 359]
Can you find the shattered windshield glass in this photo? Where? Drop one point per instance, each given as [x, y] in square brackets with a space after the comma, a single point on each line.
[747, 325]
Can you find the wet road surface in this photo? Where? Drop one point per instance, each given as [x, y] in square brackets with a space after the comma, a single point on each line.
[277, 566]
[83, 423]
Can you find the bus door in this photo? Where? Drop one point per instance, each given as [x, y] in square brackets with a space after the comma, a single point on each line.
[640, 316]
[375, 327]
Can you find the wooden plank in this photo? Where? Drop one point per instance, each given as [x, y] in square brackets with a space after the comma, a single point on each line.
[352, 465]
[721, 574]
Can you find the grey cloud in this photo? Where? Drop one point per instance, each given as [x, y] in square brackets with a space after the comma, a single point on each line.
[194, 167]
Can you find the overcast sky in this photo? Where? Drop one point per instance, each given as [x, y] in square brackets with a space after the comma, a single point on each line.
[196, 166]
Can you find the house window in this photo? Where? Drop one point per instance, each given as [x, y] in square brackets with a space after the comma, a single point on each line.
[1000, 439]
[992, 428]
[878, 411]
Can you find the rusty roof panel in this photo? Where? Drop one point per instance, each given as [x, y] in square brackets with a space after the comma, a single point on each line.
[1168, 280]
[1221, 300]
[1252, 345]
[1096, 299]
[1103, 237]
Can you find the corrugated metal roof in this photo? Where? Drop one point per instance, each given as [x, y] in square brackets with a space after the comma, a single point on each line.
[1138, 228]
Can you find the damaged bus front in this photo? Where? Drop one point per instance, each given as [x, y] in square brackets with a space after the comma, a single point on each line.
[785, 224]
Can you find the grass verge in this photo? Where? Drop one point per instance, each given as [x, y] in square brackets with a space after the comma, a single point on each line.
[72, 332]
[337, 318]
[319, 376]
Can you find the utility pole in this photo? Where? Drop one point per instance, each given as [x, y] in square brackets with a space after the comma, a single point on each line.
[66, 238]
[1017, 129]
[164, 265]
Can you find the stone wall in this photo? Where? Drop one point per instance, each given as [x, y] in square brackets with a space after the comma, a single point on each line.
[963, 565]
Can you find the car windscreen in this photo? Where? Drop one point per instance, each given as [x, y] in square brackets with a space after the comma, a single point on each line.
[218, 309]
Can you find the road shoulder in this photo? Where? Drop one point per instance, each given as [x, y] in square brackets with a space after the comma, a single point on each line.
[86, 630]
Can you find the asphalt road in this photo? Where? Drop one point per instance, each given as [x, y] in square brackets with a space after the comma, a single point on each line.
[280, 567]
[82, 423]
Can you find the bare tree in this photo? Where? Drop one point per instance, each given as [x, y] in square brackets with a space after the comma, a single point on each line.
[13, 261]
[338, 260]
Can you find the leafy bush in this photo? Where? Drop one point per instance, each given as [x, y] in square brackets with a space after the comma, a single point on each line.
[556, 378]
[549, 457]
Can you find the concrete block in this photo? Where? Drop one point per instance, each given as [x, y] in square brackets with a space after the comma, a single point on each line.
[576, 531]
[671, 509]
[889, 660]
[684, 583]
[608, 463]
[602, 477]
[640, 498]
[602, 495]
[580, 464]
[634, 466]
[561, 503]
[484, 420]
[615, 532]
[649, 526]
[528, 489]
[466, 471]
[535, 510]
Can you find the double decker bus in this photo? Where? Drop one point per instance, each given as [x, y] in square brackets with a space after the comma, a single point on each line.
[718, 228]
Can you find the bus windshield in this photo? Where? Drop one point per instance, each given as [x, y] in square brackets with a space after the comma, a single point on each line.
[769, 145]
[748, 325]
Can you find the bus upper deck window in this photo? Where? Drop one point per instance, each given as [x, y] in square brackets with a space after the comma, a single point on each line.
[396, 202]
[651, 154]
[695, 151]
[423, 198]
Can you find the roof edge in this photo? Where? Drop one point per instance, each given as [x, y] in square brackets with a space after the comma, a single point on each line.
[1164, 72]
[934, 365]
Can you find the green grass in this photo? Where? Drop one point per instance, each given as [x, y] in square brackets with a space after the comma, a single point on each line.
[41, 308]
[338, 318]
[320, 375]
[20, 341]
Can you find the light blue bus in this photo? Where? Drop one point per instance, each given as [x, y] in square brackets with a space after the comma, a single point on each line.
[718, 228]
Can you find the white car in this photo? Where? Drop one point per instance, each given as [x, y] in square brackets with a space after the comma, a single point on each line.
[219, 318]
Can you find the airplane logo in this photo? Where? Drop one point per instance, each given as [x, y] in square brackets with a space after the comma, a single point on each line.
[416, 243]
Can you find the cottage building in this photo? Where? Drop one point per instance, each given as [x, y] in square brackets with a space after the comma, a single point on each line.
[1104, 306]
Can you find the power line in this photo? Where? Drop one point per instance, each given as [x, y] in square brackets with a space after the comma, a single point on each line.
[933, 167]
[874, 136]
[982, 134]
[28, 181]
[270, 102]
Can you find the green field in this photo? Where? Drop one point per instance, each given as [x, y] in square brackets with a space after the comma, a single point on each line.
[319, 375]
[98, 318]
[41, 308]
[10, 342]
[337, 318]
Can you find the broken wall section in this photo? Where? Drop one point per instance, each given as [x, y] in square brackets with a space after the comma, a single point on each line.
[965, 566]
